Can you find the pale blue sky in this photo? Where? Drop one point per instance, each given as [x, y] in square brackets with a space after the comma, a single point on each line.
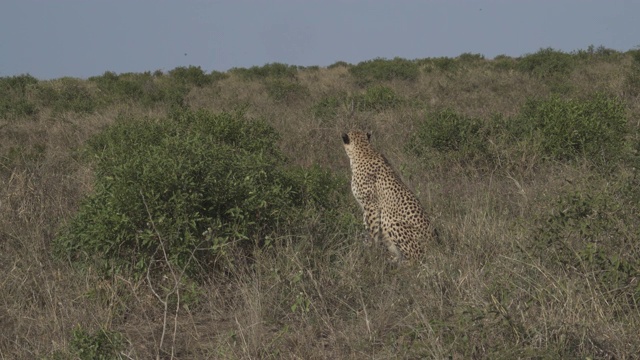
[55, 38]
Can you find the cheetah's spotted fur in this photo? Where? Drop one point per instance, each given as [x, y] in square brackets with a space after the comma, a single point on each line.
[391, 211]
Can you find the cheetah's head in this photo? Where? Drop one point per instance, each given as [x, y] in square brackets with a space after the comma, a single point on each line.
[355, 140]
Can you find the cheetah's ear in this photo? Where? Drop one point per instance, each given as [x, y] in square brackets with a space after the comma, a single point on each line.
[345, 138]
[368, 136]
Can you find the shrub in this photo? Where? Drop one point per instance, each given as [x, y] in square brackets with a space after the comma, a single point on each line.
[583, 231]
[377, 98]
[273, 70]
[285, 90]
[195, 185]
[600, 52]
[17, 108]
[632, 80]
[327, 107]
[16, 84]
[312, 68]
[449, 132]
[218, 75]
[146, 88]
[566, 129]
[471, 58]
[504, 62]
[384, 70]
[67, 94]
[445, 64]
[553, 129]
[635, 56]
[101, 345]
[278, 79]
[194, 76]
[339, 64]
[13, 96]
[546, 64]
[120, 87]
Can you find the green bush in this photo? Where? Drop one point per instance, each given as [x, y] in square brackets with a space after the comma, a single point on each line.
[470, 58]
[311, 68]
[13, 96]
[445, 64]
[567, 129]
[125, 87]
[446, 131]
[549, 129]
[504, 62]
[600, 52]
[377, 98]
[280, 80]
[384, 70]
[632, 80]
[339, 64]
[16, 84]
[327, 108]
[283, 90]
[218, 75]
[67, 94]
[583, 231]
[546, 64]
[273, 70]
[101, 345]
[635, 56]
[145, 88]
[16, 107]
[194, 185]
[195, 76]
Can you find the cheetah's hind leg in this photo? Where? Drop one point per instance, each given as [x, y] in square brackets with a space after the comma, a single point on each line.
[372, 224]
[396, 255]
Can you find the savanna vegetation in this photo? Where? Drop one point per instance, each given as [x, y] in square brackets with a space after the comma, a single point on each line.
[186, 214]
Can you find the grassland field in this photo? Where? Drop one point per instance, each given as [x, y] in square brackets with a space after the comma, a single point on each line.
[190, 215]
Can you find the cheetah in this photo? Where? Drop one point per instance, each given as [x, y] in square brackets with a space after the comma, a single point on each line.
[391, 211]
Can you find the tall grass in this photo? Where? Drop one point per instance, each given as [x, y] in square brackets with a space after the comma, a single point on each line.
[527, 165]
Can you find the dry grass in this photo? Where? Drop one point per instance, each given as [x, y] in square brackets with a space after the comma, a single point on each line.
[484, 294]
